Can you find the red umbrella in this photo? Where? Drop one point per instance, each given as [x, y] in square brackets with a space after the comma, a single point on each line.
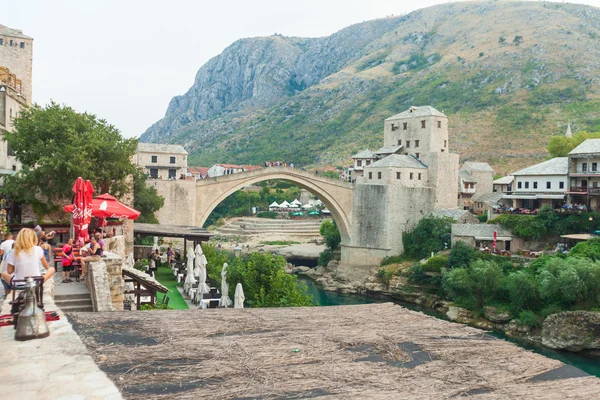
[106, 206]
[81, 208]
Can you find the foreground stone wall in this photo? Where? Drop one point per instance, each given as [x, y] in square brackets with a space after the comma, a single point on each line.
[105, 283]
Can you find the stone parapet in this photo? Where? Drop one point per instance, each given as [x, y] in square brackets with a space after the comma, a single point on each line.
[106, 284]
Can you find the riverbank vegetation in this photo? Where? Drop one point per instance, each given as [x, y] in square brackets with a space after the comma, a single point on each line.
[262, 276]
[547, 223]
[332, 238]
[530, 293]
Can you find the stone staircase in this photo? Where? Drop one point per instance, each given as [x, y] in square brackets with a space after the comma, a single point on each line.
[253, 226]
[74, 302]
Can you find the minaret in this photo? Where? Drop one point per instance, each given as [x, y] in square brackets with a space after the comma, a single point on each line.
[569, 134]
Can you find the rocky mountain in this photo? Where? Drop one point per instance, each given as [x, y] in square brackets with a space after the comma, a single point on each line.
[508, 74]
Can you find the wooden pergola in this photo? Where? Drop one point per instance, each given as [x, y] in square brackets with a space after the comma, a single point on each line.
[191, 233]
[144, 285]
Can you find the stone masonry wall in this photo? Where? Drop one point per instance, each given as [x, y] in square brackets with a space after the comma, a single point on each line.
[106, 283]
[180, 201]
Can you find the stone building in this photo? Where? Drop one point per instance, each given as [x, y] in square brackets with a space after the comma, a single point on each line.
[361, 160]
[162, 161]
[16, 59]
[414, 175]
[584, 174]
[475, 179]
[504, 184]
[227, 169]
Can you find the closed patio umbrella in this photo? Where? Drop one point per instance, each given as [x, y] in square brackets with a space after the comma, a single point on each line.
[81, 209]
[225, 300]
[239, 296]
[189, 279]
[155, 245]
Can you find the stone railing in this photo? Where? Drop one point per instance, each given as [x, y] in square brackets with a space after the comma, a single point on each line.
[105, 283]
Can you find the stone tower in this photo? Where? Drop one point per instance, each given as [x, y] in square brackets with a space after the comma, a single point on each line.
[16, 55]
[414, 174]
[423, 133]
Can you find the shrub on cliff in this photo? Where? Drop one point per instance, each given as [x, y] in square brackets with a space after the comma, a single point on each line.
[431, 234]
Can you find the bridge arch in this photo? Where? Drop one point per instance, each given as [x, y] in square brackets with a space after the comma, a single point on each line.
[336, 195]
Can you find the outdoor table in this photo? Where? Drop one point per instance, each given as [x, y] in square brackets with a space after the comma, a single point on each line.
[204, 303]
[163, 258]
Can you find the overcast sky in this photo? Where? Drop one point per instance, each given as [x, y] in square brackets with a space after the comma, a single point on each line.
[124, 60]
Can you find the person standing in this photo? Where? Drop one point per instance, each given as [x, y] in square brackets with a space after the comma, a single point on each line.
[6, 246]
[67, 261]
[24, 261]
[46, 248]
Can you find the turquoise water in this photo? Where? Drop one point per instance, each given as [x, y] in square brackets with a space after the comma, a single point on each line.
[589, 364]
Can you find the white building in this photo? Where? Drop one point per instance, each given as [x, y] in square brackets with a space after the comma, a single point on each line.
[584, 174]
[541, 184]
[162, 161]
[228, 169]
[504, 184]
[361, 160]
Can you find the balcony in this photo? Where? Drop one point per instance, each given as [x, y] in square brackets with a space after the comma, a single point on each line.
[583, 173]
[578, 189]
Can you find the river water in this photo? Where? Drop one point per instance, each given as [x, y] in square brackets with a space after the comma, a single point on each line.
[322, 297]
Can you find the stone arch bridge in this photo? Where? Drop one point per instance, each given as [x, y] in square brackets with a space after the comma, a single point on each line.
[336, 195]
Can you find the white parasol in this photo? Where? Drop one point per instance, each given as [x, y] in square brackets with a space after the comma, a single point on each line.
[189, 279]
[239, 296]
[155, 245]
[225, 300]
[130, 261]
[200, 262]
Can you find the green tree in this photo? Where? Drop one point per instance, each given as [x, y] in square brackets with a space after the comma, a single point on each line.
[483, 279]
[461, 255]
[331, 234]
[265, 282]
[560, 146]
[55, 145]
[146, 199]
[430, 235]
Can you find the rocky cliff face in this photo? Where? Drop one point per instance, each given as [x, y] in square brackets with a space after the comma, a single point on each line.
[509, 73]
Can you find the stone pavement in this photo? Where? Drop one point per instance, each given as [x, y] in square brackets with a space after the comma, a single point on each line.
[57, 367]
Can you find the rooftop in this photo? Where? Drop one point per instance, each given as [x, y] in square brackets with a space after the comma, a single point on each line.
[415, 112]
[398, 161]
[180, 231]
[10, 32]
[198, 170]
[505, 180]
[453, 213]
[465, 176]
[480, 230]
[389, 149]
[477, 166]
[370, 351]
[161, 148]
[588, 146]
[555, 166]
[364, 154]
[491, 199]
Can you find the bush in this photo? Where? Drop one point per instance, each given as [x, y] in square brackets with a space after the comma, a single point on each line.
[522, 292]
[435, 264]
[331, 234]
[324, 257]
[461, 255]
[529, 318]
[392, 260]
[482, 218]
[417, 275]
[267, 214]
[385, 277]
[588, 249]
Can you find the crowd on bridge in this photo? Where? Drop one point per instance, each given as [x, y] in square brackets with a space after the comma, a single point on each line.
[278, 164]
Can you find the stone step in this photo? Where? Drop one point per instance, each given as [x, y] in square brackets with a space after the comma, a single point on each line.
[77, 309]
[71, 296]
[73, 303]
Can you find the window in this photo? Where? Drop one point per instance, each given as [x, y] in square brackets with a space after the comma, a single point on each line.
[154, 159]
[379, 175]
[419, 176]
[417, 155]
[359, 163]
[422, 124]
[595, 184]
[535, 185]
[368, 162]
[584, 167]
[519, 185]
[411, 176]
[526, 185]
[10, 42]
[561, 185]
[22, 45]
[594, 167]
[445, 143]
[439, 124]
[407, 144]
[172, 174]
[405, 125]
[548, 185]
[1, 42]
[14, 167]
[399, 142]
[370, 175]
[172, 160]
[9, 150]
[416, 143]
[397, 175]
[509, 188]
[154, 173]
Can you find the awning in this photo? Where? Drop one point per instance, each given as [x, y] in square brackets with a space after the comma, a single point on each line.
[551, 196]
[534, 196]
[577, 236]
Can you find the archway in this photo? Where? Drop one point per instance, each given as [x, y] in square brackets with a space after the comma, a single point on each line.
[337, 196]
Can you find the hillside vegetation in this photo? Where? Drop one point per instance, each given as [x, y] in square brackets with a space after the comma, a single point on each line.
[509, 75]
